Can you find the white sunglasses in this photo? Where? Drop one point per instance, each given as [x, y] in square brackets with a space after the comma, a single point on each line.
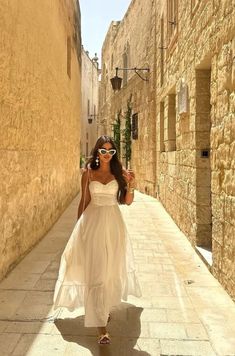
[103, 151]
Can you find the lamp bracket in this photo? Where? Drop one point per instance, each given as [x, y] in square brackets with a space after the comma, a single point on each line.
[136, 70]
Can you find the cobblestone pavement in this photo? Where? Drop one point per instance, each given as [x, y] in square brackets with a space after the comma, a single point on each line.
[183, 310]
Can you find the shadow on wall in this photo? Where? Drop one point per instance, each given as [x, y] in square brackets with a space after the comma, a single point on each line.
[124, 328]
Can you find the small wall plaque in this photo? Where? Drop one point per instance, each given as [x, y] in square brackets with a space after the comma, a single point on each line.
[183, 98]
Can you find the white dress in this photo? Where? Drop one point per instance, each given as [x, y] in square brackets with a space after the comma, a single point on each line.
[97, 268]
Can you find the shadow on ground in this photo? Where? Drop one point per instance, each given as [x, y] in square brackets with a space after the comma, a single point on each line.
[124, 329]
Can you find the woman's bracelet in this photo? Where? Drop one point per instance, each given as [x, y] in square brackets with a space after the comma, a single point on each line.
[130, 189]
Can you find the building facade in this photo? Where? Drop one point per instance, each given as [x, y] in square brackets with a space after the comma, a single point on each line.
[195, 93]
[193, 111]
[129, 44]
[90, 92]
[40, 120]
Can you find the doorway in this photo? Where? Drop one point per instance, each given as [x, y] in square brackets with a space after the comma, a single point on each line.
[203, 164]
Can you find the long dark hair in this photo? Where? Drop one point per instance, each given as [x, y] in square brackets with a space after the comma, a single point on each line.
[115, 166]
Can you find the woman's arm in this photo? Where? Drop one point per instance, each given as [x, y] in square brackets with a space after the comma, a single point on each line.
[129, 196]
[86, 197]
[130, 179]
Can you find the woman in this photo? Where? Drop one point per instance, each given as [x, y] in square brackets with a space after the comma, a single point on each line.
[97, 268]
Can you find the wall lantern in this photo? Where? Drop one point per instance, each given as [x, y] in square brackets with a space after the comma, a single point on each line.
[117, 81]
[90, 118]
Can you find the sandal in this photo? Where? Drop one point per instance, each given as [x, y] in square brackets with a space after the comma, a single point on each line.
[104, 339]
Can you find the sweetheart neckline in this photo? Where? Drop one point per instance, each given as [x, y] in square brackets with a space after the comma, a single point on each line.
[113, 180]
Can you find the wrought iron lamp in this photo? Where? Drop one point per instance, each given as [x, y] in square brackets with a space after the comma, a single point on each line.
[116, 81]
[91, 117]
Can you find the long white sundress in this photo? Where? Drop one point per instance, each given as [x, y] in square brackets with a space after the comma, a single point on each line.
[97, 268]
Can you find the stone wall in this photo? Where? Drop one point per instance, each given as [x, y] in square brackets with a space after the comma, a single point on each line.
[40, 120]
[196, 179]
[133, 37]
[90, 92]
[186, 146]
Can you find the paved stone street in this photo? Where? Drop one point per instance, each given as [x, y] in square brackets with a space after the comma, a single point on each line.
[183, 310]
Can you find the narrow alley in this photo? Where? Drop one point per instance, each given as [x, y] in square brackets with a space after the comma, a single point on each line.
[183, 309]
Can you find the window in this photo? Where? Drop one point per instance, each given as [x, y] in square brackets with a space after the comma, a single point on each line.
[134, 126]
[172, 19]
[69, 57]
[104, 79]
[88, 107]
[86, 149]
[112, 62]
[171, 132]
[162, 144]
[87, 144]
[162, 47]
[125, 65]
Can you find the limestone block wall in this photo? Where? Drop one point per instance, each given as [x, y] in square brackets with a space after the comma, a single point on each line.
[90, 91]
[188, 162]
[39, 120]
[195, 181]
[133, 37]
[223, 167]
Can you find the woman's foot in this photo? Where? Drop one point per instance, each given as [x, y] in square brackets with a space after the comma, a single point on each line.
[104, 339]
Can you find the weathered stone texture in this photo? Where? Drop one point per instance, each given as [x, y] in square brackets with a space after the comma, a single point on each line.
[189, 160]
[134, 35]
[90, 92]
[203, 189]
[39, 115]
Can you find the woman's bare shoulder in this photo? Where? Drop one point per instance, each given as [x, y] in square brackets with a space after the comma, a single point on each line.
[86, 169]
[84, 173]
[83, 170]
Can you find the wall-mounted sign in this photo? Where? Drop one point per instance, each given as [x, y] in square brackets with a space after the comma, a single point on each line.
[183, 98]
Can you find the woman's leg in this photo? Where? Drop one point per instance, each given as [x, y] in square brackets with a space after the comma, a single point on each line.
[103, 335]
[102, 330]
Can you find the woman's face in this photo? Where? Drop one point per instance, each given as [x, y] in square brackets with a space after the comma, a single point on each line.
[106, 157]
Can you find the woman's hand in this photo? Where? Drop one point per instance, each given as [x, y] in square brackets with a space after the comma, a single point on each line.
[129, 176]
